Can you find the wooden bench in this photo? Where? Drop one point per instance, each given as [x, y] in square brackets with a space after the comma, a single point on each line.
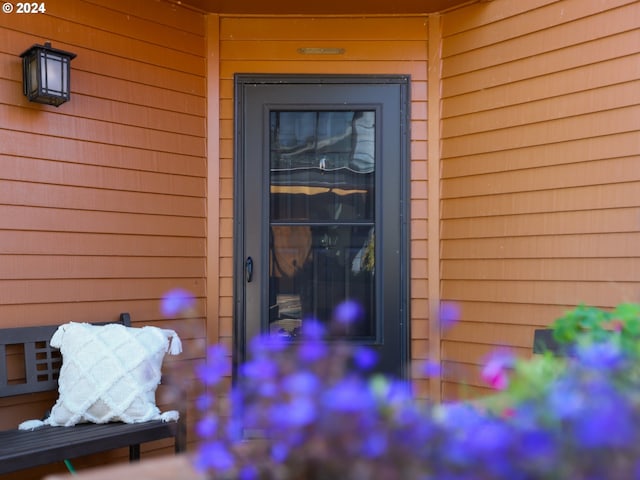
[21, 449]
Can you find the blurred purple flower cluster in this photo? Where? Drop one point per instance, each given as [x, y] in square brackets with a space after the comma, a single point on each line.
[315, 410]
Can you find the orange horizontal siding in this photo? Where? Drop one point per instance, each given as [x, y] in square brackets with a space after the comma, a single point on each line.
[88, 130]
[69, 243]
[599, 50]
[163, 13]
[548, 88]
[417, 71]
[70, 290]
[609, 122]
[522, 179]
[103, 200]
[498, 313]
[255, 50]
[303, 28]
[86, 221]
[145, 116]
[166, 26]
[76, 197]
[30, 145]
[552, 154]
[617, 195]
[480, 340]
[94, 176]
[609, 245]
[599, 293]
[467, 352]
[190, 325]
[548, 223]
[463, 20]
[540, 201]
[623, 269]
[569, 105]
[556, 26]
[455, 390]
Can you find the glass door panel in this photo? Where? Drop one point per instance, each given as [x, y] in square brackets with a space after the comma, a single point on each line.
[321, 218]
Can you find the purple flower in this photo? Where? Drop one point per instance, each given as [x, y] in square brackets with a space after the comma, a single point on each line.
[207, 427]
[264, 345]
[374, 445]
[296, 413]
[490, 437]
[216, 366]
[312, 329]
[260, 370]
[248, 472]
[415, 428]
[399, 392]
[204, 402]
[607, 428]
[301, 383]
[279, 452]
[235, 429]
[449, 314]
[537, 445]
[431, 368]
[176, 301]
[601, 355]
[348, 395]
[260, 376]
[348, 312]
[311, 351]
[459, 416]
[607, 420]
[214, 455]
[365, 358]
[565, 399]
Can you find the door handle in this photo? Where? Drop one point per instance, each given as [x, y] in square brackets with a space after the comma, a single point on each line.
[248, 268]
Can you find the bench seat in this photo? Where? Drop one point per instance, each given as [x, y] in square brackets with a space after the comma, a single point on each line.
[21, 449]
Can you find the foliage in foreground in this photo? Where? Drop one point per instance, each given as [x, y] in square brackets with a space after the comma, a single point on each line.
[320, 414]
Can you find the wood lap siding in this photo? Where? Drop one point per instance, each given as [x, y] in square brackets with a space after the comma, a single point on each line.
[375, 45]
[102, 200]
[540, 207]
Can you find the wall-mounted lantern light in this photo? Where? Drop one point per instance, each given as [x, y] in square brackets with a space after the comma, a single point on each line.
[46, 74]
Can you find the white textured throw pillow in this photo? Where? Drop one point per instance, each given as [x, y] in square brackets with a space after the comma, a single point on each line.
[109, 373]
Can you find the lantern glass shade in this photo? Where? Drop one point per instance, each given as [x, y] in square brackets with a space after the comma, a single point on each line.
[46, 74]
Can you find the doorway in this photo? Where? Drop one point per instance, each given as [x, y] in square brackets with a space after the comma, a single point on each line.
[321, 196]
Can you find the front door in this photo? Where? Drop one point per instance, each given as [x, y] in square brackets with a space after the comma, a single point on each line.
[321, 218]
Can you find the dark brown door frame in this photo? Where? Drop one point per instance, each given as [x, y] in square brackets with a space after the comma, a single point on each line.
[396, 247]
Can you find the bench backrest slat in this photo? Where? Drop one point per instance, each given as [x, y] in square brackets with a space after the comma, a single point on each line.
[27, 337]
[3, 366]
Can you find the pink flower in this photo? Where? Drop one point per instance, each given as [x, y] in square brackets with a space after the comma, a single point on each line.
[616, 325]
[508, 412]
[496, 370]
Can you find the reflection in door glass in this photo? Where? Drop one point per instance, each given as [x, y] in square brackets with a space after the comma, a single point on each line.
[322, 218]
